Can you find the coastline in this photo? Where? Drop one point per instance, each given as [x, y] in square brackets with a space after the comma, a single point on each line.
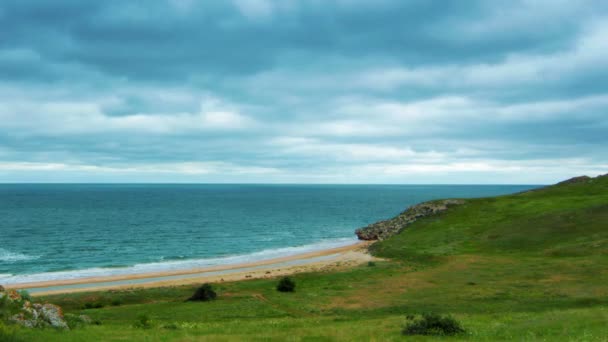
[320, 260]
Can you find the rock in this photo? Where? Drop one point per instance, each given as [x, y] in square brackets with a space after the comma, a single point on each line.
[574, 180]
[53, 314]
[23, 320]
[384, 229]
[40, 316]
[85, 319]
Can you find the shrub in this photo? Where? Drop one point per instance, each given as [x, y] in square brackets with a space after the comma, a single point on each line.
[25, 295]
[95, 305]
[286, 285]
[76, 321]
[116, 302]
[203, 294]
[73, 321]
[433, 324]
[371, 264]
[143, 321]
[8, 308]
[171, 326]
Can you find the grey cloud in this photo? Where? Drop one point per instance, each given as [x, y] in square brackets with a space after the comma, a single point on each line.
[303, 88]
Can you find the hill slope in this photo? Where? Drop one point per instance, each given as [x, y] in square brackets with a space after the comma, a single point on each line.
[567, 219]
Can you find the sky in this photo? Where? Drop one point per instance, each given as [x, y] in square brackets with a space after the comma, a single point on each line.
[303, 91]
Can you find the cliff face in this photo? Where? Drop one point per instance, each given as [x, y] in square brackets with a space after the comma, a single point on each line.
[384, 229]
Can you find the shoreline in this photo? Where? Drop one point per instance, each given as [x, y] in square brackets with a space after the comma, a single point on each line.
[332, 258]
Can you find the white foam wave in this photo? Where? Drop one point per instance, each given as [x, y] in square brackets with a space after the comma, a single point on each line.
[177, 265]
[8, 256]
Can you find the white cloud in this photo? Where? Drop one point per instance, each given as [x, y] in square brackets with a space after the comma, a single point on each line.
[185, 168]
[83, 117]
[255, 9]
[351, 152]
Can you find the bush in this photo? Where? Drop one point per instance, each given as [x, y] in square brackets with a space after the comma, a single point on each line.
[371, 264]
[143, 321]
[203, 294]
[286, 285]
[76, 321]
[95, 305]
[8, 308]
[171, 326]
[432, 324]
[25, 295]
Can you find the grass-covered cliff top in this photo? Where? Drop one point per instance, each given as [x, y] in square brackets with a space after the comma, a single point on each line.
[567, 219]
[528, 266]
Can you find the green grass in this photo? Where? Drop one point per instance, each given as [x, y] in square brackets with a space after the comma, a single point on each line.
[530, 266]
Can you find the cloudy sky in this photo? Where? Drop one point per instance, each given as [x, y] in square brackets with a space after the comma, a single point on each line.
[303, 91]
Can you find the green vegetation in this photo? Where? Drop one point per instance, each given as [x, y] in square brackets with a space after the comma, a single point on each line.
[433, 324]
[8, 333]
[529, 266]
[25, 295]
[95, 305]
[204, 293]
[143, 321]
[286, 284]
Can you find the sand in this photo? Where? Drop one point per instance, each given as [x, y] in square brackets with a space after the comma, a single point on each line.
[324, 260]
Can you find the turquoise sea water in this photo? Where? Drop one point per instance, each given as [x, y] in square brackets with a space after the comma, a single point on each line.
[59, 231]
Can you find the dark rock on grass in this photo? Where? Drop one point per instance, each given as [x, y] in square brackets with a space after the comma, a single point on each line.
[384, 229]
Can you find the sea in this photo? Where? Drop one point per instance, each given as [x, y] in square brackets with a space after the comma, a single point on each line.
[73, 231]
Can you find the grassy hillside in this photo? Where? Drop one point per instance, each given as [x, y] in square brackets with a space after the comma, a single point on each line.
[563, 220]
[529, 266]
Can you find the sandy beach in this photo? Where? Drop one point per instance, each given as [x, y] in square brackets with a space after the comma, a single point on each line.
[323, 260]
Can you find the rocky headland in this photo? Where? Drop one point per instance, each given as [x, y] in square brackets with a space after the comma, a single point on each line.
[384, 229]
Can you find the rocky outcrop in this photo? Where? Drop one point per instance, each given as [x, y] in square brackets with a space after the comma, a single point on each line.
[33, 315]
[384, 229]
[574, 180]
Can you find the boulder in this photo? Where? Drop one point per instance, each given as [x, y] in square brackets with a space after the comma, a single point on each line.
[384, 229]
[40, 316]
[53, 314]
[24, 320]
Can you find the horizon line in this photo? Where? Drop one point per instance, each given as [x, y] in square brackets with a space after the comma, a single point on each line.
[252, 183]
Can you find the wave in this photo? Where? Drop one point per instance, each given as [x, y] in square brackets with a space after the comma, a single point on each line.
[176, 265]
[8, 256]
